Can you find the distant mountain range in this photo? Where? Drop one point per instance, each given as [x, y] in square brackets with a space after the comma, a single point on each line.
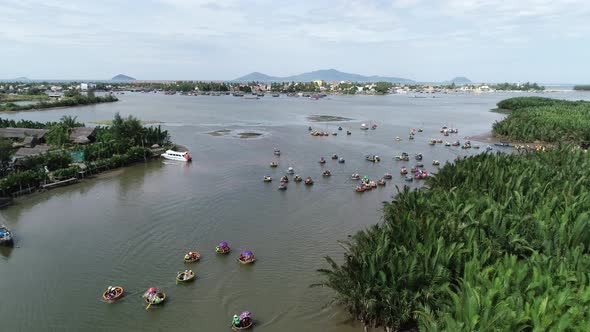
[327, 75]
[122, 77]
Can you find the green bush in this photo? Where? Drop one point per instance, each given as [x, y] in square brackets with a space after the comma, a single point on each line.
[66, 173]
[21, 180]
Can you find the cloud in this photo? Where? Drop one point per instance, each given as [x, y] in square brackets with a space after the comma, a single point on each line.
[227, 38]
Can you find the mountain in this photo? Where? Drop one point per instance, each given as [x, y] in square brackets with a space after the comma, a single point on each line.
[327, 75]
[460, 80]
[122, 77]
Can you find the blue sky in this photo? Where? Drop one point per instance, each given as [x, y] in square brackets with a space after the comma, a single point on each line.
[486, 40]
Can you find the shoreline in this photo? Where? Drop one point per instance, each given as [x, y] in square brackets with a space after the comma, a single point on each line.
[54, 108]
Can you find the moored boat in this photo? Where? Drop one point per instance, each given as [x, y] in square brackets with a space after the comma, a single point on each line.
[355, 176]
[112, 293]
[322, 160]
[308, 181]
[435, 162]
[334, 156]
[277, 152]
[381, 182]
[267, 178]
[327, 173]
[341, 160]
[290, 170]
[283, 186]
[285, 179]
[360, 188]
[388, 176]
[274, 164]
[176, 155]
[297, 178]
[6, 236]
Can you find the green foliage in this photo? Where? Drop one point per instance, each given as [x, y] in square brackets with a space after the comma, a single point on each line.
[53, 160]
[5, 151]
[518, 87]
[66, 173]
[58, 136]
[383, 87]
[21, 180]
[549, 120]
[498, 242]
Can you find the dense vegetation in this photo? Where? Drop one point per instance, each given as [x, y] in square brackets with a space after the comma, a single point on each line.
[498, 242]
[518, 87]
[544, 119]
[582, 87]
[75, 100]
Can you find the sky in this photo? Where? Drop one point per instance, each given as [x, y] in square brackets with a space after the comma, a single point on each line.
[544, 41]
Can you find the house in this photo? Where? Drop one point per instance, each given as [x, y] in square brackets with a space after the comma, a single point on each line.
[30, 152]
[83, 135]
[22, 133]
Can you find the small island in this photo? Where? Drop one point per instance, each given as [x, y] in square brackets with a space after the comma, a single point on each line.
[327, 118]
[68, 99]
[582, 87]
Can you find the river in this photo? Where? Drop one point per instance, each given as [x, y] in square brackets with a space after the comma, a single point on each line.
[131, 227]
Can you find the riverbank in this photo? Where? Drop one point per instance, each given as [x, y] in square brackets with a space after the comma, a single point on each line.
[8, 98]
[65, 102]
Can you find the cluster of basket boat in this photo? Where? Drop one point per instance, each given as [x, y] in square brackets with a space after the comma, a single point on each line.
[155, 296]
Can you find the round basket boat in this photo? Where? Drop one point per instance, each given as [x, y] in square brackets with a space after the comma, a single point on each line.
[235, 328]
[191, 277]
[118, 294]
[192, 259]
[160, 295]
[250, 261]
[222, 252]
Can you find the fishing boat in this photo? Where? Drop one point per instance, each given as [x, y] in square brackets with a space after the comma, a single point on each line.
[246, 257]
[185, 276]
[419, 156]
[374, 126]
[456, 143]
[420, 130]
[372, 158]
[277, 152]
[381, 182]
[275, 95]
[411, 137]
[418, 165]
[364, 126]
[339, 128]
[355, 176]
[341, 161]
[290, 170]
[431, 142]
[242, 322]
[112, 293]
[297, 178]
[360, 188]
[334, 156]
[388, 176]
[154, 296]
[348, 132]
[397, 138]
[309, 128]
[274, 164]
[435, 162]
[489, 148]
[503, 144]
[327, 173]
[222, 248]
[285, 179]
[267, 178]
[409, 178]
[283, 186]
[322, 160]
[447, 143]
[439, 141]
[6, 237]
[334, 134]
[176, 155]
[191, 257]
[403, 171]
[308, 181]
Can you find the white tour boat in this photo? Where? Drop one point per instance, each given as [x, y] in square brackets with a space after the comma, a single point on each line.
[176, 155]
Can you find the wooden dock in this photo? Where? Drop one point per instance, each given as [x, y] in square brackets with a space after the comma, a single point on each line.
[59, 183]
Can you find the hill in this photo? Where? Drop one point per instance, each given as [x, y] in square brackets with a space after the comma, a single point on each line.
[122, 77]
[460, 80]
[327, 75]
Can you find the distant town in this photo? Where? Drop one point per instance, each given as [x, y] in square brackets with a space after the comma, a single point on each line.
[21, 91]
